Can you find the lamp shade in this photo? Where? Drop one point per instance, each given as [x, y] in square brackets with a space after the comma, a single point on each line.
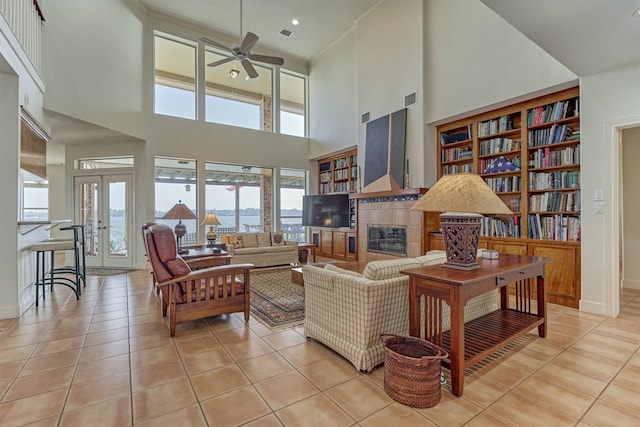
[180, 211]
[210, 219]
[465, 192]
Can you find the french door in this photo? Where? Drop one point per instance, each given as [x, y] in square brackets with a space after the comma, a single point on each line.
[103, 203]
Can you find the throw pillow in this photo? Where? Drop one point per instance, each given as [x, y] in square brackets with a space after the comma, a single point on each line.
[236, 241]
[277, 239]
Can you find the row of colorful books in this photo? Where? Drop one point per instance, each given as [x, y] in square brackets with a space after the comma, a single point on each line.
[554, 227]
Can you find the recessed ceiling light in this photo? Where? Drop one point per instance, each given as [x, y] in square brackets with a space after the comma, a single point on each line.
[294, 21]
[636, 13]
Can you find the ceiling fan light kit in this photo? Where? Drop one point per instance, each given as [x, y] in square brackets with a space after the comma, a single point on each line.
[242, 53]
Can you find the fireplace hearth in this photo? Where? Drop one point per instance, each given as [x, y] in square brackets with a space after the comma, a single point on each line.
[387, 239]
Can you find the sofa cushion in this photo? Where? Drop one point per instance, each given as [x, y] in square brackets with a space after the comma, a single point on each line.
[386, 269]
[277, 239]
[277, 249]
[264, 239]
[249, 240]
[333, 268]
[248, 251]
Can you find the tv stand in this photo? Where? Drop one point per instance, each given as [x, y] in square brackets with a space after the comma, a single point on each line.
[336, 243]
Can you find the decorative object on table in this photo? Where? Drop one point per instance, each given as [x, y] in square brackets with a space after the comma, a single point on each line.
[212, 221]
[180, 211]
[462, 198]
[412, 369]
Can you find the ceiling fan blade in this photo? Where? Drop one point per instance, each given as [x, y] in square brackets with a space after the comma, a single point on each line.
[267, 59]
[251, 72]
[220, 62]
[213, 43]
[249, 41]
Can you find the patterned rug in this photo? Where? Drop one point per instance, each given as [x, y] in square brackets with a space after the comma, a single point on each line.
[107, 271]
[275, 300]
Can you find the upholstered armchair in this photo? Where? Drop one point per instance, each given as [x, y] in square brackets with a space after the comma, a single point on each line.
[189, 295]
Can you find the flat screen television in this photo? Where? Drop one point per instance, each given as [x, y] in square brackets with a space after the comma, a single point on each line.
[325, 210]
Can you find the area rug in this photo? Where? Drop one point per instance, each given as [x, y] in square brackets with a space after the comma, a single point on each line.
[276, 301]
[107, 271]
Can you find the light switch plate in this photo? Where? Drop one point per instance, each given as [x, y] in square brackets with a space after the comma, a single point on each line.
[598, 195]
[599, 207]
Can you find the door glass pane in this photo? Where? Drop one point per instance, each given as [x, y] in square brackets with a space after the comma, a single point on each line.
[118, 219]
[89, 217]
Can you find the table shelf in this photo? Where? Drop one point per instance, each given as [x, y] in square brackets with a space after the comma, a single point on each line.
[489, 333]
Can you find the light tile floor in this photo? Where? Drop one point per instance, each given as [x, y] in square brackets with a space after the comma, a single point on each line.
[108, 360]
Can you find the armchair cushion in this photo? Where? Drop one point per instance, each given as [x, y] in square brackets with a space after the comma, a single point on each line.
[387, 269]
[332, 267]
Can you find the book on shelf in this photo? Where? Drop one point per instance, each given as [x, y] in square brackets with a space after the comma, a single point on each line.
[456, 135]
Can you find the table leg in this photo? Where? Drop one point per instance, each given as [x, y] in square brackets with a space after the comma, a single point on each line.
[414, 309]
[541, 289]
[457, 348]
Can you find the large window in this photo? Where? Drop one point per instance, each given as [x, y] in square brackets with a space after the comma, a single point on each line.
[239, 195]
[175, 78]
[292, 188]
[35, 197]
[175, 181]
[231, 98]
[292, 104]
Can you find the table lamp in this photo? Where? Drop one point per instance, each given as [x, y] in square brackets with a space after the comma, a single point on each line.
[463, 198]
[212, 221]
[180, 211]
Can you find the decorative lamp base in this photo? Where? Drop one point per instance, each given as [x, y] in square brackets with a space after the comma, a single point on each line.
[460, 231]
[211, 237]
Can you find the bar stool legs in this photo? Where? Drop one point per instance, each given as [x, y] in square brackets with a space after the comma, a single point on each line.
[53, 277]
[59, 275]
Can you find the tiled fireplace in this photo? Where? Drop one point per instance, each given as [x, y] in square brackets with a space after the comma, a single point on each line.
[397, 231]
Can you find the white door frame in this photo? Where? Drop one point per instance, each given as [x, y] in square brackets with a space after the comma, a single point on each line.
[103, 178]
[613, 132]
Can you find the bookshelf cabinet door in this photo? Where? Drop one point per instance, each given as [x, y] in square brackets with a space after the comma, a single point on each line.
[563, 284]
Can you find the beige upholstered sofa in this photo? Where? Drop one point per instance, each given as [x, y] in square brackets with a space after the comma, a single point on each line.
[260, 249]
[348, 311]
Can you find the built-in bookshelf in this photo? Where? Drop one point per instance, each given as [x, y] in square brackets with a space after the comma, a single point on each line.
[529, 154]
[338, 174]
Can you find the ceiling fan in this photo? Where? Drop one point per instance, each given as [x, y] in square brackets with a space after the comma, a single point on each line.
[243, 53]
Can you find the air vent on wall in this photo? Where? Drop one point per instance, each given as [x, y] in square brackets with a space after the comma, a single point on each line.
[410, 99]
[286, 32]
[365, 117]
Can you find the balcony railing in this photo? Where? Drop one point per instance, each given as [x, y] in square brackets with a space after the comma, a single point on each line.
[25, 20]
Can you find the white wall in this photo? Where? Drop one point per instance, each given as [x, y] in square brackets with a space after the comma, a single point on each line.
[92, 62]
[631, 208]
[370, 70]
[333, 98]
[606, 100]
[20, 85]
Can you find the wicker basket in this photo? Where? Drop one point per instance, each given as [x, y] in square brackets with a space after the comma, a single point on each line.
[412, 370]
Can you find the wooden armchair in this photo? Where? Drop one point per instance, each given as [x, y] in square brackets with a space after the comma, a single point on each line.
[190, 295]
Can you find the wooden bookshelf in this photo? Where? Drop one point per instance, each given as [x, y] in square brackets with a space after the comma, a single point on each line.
[529, 154]
[339, 173]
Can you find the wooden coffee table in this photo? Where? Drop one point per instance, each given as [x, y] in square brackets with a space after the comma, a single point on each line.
[296, 276]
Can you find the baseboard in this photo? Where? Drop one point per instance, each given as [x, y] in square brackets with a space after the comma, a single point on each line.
[9, 312]
[592, 307]
[631, 284]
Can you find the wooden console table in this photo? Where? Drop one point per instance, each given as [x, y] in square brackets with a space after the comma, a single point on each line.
[469, 343]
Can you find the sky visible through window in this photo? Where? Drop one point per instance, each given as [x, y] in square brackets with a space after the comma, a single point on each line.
[181, 103]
